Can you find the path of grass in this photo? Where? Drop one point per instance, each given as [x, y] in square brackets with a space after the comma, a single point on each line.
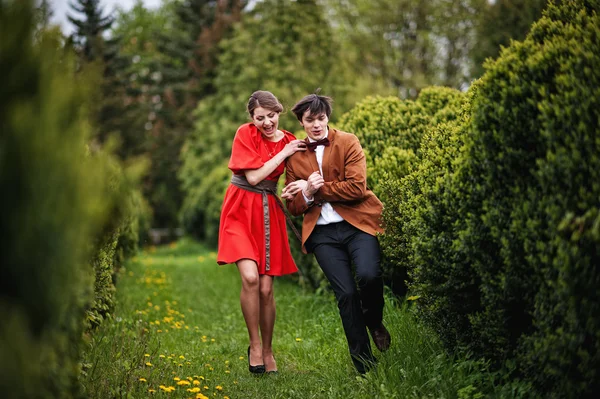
[178, 332]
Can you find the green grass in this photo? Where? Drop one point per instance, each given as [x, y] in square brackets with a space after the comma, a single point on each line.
[179, 312]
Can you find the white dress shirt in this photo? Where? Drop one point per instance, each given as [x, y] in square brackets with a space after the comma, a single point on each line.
[328, 214]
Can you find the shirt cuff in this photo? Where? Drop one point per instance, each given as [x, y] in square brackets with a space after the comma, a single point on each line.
[307, 200]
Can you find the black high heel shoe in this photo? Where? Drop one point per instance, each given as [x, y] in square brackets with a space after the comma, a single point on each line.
[259, 369]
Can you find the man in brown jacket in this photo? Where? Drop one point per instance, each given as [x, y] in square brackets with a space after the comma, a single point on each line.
[328, 184]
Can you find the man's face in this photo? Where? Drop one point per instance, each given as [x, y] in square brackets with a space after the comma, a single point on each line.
[315, 126]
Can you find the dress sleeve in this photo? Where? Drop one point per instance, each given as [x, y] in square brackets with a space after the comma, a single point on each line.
[245, 150]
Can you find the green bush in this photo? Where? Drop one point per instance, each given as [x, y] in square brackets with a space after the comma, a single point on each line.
[424, 223]
[390, 131]
[54, 201]
[65, 211]
[507, 245]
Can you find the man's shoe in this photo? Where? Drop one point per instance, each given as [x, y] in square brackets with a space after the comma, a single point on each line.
[381, 337]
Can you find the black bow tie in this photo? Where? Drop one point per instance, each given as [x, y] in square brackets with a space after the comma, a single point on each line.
[312, 145]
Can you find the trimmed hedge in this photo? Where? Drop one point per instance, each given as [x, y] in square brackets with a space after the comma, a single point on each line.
[507, 243]
[390, 131]
[57, 198]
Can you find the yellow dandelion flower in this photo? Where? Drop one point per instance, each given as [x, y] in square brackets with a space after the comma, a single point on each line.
[151, 390]
[225, 397]
[156, 307]
[147, 355]
[148, 364]
[180, 365]
[204, 337]
[212, 340]
[159, 331]
[201, 378]
[298, 339]
[193, 390]
[205, 387]
[242, 358]
[190, 378]
[183, 382]
[142, 379]
[182, 357]
[227, 371]
[176, 379]
[219, 388]
[188, 363]
[196, 382]
[161, 356]
[150, 304]
[200, 396]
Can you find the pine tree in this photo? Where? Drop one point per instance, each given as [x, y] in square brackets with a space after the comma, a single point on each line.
[88, 33]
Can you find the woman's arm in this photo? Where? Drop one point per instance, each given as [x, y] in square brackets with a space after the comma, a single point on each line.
[255, 176]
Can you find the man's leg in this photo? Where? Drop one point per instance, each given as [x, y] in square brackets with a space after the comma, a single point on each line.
[334, 260]
[366, 254]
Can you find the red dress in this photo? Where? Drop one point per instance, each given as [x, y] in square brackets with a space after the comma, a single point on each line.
[241, 230]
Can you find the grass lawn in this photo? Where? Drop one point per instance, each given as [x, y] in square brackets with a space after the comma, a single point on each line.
[178, 332]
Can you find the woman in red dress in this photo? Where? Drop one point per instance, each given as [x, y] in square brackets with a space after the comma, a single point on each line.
[252, 232]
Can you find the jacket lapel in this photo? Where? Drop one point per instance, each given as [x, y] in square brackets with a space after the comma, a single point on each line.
[326, 153]
[312, 160]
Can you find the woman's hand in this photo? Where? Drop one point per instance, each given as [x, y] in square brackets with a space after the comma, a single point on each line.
[290, 191]
[294, 146]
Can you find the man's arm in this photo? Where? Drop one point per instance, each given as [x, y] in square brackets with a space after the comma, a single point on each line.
[354, 185]
[297, 205]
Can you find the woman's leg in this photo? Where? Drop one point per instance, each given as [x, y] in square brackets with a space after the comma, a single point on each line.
[267, 321]
[250, 301]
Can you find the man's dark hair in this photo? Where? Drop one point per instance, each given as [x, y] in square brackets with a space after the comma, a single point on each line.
[315, 103]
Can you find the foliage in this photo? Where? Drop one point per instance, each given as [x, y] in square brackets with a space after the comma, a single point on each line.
[498, 23]
[408, 44]
[506, 251]
[55, 198]
[391, 132]
[289, 64]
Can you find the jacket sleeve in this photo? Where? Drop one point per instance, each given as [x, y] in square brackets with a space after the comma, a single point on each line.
[298, 205]
[354, 185]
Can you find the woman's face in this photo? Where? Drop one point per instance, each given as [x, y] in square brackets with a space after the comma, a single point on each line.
[266, 122]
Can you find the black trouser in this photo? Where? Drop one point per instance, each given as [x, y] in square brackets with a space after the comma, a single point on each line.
[336, 246]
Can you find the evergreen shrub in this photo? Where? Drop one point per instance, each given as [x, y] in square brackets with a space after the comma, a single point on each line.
[63, 211]
[390, 131]
[54, 201]
[507, 251]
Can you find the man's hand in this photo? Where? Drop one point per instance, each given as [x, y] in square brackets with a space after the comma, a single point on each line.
[290, 191]
[313, 184]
